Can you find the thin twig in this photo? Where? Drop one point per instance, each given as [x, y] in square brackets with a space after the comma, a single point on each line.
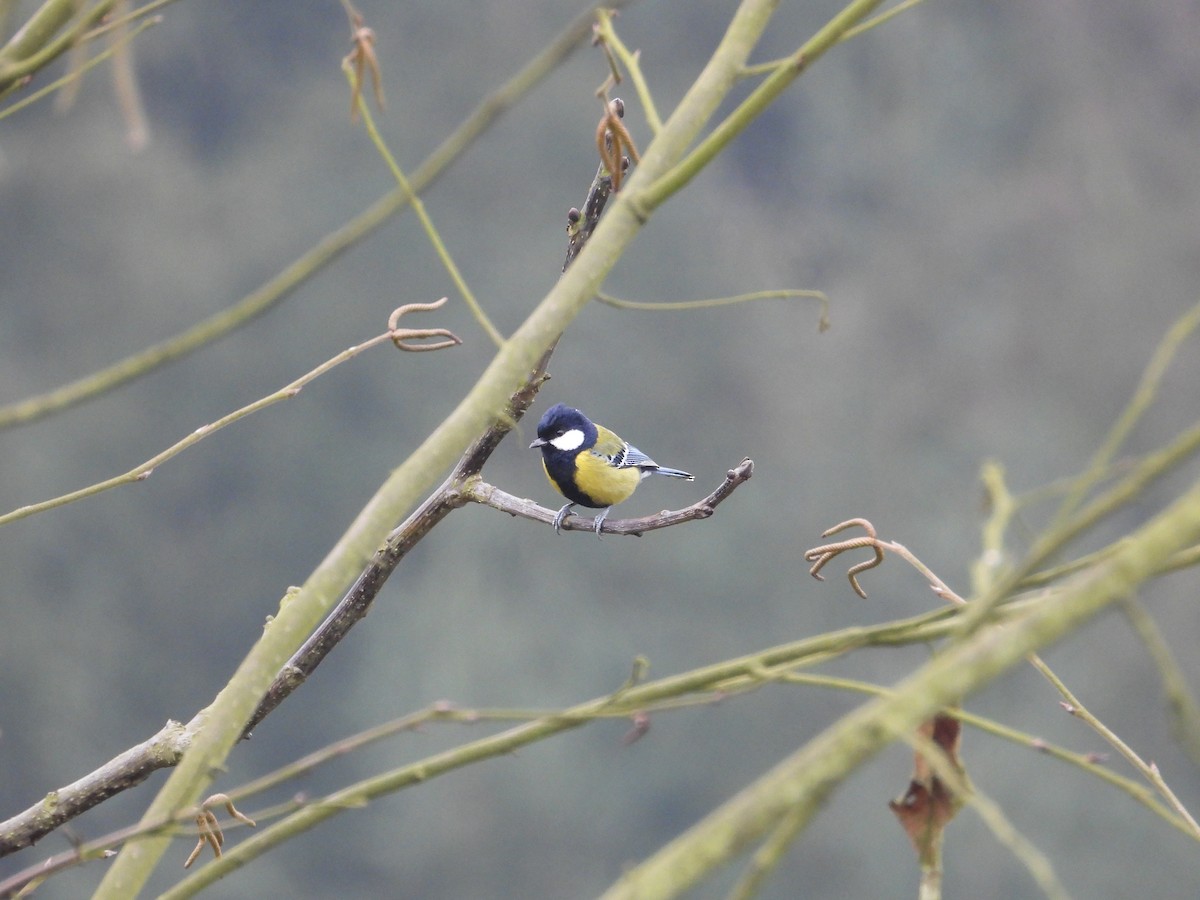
[146, 469]
[607, 37]
[711, 302]
[1181, 702]
[1148, 770]
[418, 205]
[1143, 398]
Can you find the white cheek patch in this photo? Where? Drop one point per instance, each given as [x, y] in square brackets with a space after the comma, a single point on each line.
[570, 440]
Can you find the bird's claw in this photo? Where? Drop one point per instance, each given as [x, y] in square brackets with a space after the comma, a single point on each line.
[562, 514]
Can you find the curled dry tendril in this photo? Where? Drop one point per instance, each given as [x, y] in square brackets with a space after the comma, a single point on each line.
[823, 554]
[402, 337]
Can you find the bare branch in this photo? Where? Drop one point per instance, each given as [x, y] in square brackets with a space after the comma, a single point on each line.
[489, 495]
[122, 772]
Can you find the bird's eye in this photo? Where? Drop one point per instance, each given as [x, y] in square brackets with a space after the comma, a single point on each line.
[560, 432]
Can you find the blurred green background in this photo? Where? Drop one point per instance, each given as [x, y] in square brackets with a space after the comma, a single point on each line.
[1002, 202]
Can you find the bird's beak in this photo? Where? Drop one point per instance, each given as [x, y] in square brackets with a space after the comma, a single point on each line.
[538, 443]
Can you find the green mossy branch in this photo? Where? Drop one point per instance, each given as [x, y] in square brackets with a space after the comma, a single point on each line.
[800, 784]
[703, 685]
[787, 71]
[75, 74]
[53, 29]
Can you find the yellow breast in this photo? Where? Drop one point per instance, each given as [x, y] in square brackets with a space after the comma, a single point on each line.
[601, 482]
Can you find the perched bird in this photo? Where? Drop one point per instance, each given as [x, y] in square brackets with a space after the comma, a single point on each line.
[590, 465]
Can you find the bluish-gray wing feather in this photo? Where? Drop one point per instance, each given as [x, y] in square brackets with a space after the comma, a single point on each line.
[630, 457]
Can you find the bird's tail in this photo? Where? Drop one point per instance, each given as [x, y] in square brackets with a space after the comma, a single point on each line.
[674, 473]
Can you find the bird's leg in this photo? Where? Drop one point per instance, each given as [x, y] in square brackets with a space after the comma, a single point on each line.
[600, 520]
[562, 514]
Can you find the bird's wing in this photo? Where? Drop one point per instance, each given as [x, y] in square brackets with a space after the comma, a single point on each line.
[620, 454]
[631, 457]
[607, 444]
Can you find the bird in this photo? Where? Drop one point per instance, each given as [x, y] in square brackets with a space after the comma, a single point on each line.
[590, 465]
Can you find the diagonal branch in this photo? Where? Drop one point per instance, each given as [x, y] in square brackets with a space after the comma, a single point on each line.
[357, 601]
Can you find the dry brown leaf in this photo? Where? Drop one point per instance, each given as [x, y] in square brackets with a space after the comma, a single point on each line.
[929, 804]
